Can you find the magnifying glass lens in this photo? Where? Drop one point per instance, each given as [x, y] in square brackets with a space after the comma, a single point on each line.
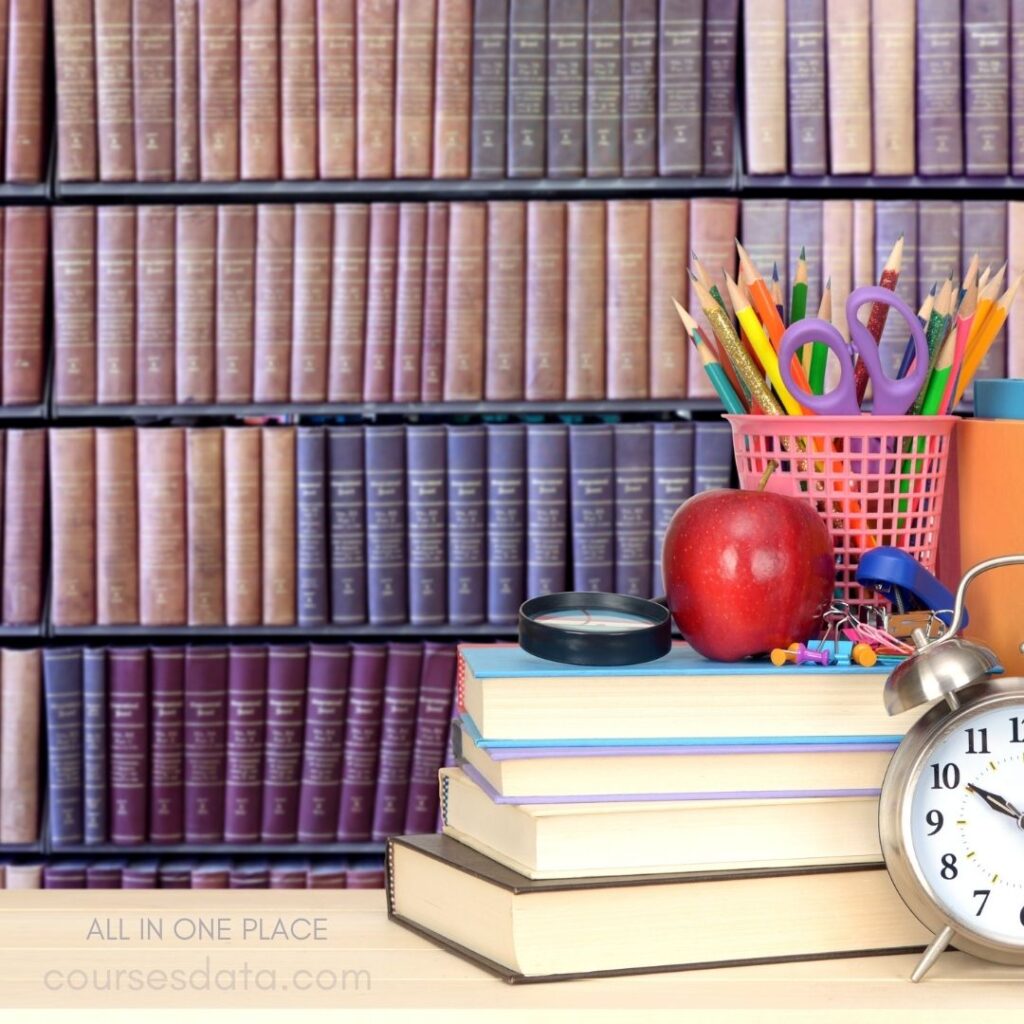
[592, 620]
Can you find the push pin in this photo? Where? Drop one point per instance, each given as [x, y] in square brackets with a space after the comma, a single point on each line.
[800, 654]
[863, 655]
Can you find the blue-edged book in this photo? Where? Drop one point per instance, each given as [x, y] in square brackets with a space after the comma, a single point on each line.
[519, 699]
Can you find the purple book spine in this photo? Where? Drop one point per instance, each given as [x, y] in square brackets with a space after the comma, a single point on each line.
[139, 875]
[243, 772]
[938, 240]
[398, 726]
[547, 507]
[720, 34]
[592, 497]
[348, 525]
[426, 486]
[940, 148]
[176, 874]
[289, 874]
[527, 84]
[467, 524]
[566, 99]
[311, 525]
[62, 682]
[805, 67]
[69, 875]
[987, 86]
[895, 217]
[672, 458]
[326, 694]
[362, 732]
[712, 456]
[490, 81]
[282, 758]
[804, 232]
[167, 757]
[127, 706]
[94, 722]
[104, 875]
[385, 524]
[506, 515]
[437, 686]
[1017, 87]
[640, 88]
[604, 88]
[249, 876]
[680, 38]
[633, 508]
[206, 686]
[984, 233]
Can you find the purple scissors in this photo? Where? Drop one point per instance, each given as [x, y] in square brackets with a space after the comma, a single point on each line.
[891, 396]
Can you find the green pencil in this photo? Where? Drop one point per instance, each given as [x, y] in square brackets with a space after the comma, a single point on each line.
[798, 296]
[819, 350]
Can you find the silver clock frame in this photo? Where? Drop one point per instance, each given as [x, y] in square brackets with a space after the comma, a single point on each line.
[894, 826]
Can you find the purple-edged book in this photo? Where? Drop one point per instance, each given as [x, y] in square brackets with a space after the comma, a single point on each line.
[398, 726]
[437, 686]
[249, 875]
[128, 728]
[640, 88]
[139, 874]
[566, 100]
[104, 874]
[679, 31]
[987, 86]
[167, 745]
[94, 729]
[506, 508]
[206, 683]
[362, 732]
[805, 70]
[62, 682]
[427, 517]
[940, 148]
[633, 508]
[311, 525]
[467, 524]
[282, 753]
[721, 31]
[385, 524]
[592, 490]
[547, 507]
[712, 456]
[672, 456]
[246, 730]
[326, 695]
[347, 505]
[67, 875]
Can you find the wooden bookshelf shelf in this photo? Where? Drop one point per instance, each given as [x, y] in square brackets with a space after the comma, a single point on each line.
[22, 632]
[143, 634]
[840, 186]
[389, 189]
[12, 193]
[372, 410]
[12, 413]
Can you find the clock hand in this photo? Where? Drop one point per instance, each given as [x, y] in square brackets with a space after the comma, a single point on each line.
[996, 802]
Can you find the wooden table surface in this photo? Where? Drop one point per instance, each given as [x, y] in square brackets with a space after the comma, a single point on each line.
[378, 970]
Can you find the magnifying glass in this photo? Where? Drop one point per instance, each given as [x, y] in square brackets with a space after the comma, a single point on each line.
[581, 628]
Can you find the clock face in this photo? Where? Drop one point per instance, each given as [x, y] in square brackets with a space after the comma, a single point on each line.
[966, 825]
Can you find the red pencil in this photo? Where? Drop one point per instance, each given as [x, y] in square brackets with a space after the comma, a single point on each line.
[879, 311]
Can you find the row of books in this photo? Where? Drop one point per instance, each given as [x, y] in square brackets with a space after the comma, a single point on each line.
[245, 744]
[24, 125]
[407, 302]
[301, 89]
[282, 526]
[601, 811]
[884, 87]
[197, 873]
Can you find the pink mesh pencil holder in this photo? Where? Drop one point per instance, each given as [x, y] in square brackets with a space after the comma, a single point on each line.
[874, 480]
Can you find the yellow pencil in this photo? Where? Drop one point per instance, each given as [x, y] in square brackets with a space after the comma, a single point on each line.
[762, 346]
[983, 342]
[987, 295]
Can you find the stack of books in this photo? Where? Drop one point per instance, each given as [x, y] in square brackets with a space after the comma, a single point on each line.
[682, 813]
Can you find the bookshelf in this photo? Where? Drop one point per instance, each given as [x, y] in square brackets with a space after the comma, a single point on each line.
[143, 634]
[253, 850]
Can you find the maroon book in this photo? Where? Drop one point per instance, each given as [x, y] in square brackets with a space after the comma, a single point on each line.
[321, 755]
[74, 304]
[408, 330]
[311, 302]
[26, 263]
[128, 730]
[380, 302]
[246, 716]
[398, 727]
[167, 745]
[154, 286]
[434, 296]
[140, 874]
[434, 705]
[348, 302]
[282, 751]
[205, 712]
[362, 732]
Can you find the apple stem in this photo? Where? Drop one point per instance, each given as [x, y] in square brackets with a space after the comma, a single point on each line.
[763, 482]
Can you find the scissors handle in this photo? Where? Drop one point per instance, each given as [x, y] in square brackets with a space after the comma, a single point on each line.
[891, 396]
[842, 399]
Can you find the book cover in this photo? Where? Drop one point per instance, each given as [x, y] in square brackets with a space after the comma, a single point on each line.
[672, 484]
[527, 88]
[74, 304]
[115, 304]
[669, 260]
[244, 740]
[186, 90]
[26, 259]
[640, 67]
[678, 27]
[763, 227]
[504, 346]
[585, 305]
[452, 85]
[218, 89]
[375, 81]
[272, 327]
[805, 80]
[95, 808]
[282, 753]
[633, 507]
[235, 309]
[347, 529]
[490, 70]
[409, 281]
[75, 60]
[128, 731]
[24, 466]
[986, 57]
[940, 148]
[803, 231]
[426, 523]
[311, 526]
[117, 527]
[544, 361]
[386, 549]
[721, 31]
[416, 40]
[467, 523]
[465, 302]
[259, 115]
[506, 514]
[348, 302]
[628, 309]
[566, 88]
[892, 86]
[112, 21]
[547, 508]
[155, 327]
[382, 262]
[62, 682]
[205, 727]
[847, 39]
[435, 303]
[277, 492]
[167, 744]
[298, 89]
[311, 302]
[984, 233]
[764, 33]
[712, 456]
[204, 525]
[194, 311]
[243, 569]
[592, 502]
[604, 88]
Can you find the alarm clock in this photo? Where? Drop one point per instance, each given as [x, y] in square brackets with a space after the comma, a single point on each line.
[951, 812]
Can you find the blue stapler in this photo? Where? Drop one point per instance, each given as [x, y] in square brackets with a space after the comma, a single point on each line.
[905, 583]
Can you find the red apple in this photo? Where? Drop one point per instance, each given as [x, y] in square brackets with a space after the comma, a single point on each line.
[746, 571]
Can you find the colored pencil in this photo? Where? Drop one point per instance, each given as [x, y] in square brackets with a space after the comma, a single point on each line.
[777, 293]
[986, 336]
[706, 282]
[935, 332]
[711, 365]
[923, 316]
[819, 352]
[965, 318]
[879, 311]
[798, 293]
